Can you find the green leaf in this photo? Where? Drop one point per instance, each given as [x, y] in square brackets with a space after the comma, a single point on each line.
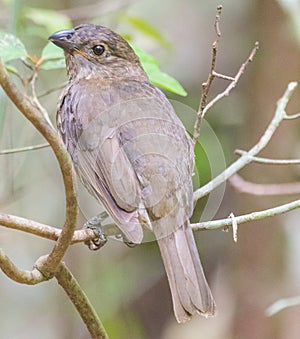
[156, 76]
[147, 29]
[51, 20]
[51, 51]
[53, 57]
[11, 47]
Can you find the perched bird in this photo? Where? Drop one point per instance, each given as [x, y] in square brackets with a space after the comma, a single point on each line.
[133, 154]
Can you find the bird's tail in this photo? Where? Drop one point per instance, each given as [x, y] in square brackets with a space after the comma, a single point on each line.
[190, 291]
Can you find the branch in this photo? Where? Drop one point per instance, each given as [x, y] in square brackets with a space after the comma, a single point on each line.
[50, 232]
[271, 212]
[246, 158]
[243, 186]
[37, 118]
[88, 314]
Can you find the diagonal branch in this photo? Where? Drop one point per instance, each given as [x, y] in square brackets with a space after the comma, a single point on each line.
[246, 158]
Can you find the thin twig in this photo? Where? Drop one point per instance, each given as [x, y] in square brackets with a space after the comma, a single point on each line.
[233, 84]
[271, 212]
[206, 85]
[223, 76]
[217, 21]
[24, 149]
[245, 159]
[243, 186]
[293, 116]
[268, 161]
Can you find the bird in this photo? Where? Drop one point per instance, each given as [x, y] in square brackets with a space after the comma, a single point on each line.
[132, 154]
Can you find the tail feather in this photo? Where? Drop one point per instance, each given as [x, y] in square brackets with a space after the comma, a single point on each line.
[189, 288]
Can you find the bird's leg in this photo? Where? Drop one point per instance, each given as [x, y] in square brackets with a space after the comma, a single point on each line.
[95, 224]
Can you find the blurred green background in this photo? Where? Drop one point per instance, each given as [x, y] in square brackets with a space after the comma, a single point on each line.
[127, 286]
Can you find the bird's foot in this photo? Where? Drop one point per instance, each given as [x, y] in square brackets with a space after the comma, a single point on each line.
[95, 224]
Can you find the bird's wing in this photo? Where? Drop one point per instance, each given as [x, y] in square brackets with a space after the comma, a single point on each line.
[132, 151]
[99, 162]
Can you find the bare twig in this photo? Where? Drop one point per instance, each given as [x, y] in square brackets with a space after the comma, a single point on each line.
[245, 159]
[206, 85]
[88, 314]
[293, 116]
[243, 186]
[234, 82]
[268, 161]
[271, 212]
[24, 149]
[217, 22]
[223, 76]
[204, 106]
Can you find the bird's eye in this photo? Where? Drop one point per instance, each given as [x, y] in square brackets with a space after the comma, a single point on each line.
[98, 49]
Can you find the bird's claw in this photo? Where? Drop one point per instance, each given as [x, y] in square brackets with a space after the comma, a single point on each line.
[95, 224]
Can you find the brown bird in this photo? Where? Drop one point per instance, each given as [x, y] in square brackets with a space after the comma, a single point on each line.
[133, 154]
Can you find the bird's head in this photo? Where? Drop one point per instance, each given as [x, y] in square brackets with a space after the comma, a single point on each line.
[92, 47]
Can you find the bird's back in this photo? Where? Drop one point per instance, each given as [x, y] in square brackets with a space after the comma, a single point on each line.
[129, 134]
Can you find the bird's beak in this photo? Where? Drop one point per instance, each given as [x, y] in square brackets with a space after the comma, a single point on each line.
[63, 39]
